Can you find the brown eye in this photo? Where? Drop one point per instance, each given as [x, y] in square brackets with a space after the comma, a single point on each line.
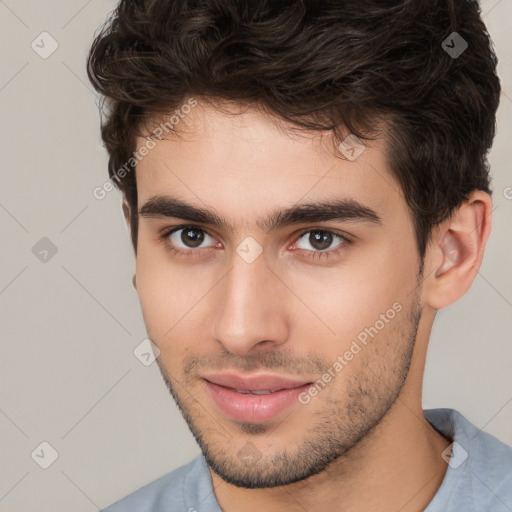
[192, 237]
[319, 240]
[187, 237]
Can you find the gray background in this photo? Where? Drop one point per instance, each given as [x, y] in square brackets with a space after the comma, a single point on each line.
[68, 326]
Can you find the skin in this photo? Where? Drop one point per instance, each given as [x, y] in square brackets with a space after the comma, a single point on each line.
[361, 443]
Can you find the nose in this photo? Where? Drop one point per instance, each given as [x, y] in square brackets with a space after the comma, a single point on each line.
[251, 312]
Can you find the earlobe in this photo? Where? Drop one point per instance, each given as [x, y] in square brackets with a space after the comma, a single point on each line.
[456, 251]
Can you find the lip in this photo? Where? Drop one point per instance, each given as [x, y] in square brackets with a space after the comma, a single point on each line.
[253, 382]
[253, 408]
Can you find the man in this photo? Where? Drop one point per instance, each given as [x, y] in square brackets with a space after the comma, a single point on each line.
[306, 184]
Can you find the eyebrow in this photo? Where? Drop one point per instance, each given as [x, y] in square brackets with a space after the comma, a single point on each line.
[334, 209]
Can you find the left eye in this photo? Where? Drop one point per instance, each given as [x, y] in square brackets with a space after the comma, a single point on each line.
[319, 239]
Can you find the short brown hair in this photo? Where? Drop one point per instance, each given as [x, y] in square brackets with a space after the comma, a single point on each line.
[321, 65]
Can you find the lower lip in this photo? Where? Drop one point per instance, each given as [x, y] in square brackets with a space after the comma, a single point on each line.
[253, 408]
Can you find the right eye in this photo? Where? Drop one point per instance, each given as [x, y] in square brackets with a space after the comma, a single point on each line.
[185, 239]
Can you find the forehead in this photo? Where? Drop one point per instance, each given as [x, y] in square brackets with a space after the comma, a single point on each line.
[246, 163]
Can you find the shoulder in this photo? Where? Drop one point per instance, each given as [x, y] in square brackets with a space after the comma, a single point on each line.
[480, 467]
[164, 493]
[483, 450]
[490, 461]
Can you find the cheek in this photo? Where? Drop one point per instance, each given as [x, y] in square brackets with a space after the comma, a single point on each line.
[165, 318]
[172, 297]
[343, 302]
[368, 313]
[157, 290]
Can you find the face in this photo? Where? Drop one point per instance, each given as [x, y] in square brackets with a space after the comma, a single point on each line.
[280, 284]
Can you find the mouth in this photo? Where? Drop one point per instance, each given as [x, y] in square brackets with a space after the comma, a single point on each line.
[253, 399]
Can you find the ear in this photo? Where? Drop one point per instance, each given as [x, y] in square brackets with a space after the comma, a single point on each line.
[127, 217]
[456, 250]
[127, 212]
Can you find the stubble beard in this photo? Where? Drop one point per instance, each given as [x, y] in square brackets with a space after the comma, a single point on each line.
[337, 429]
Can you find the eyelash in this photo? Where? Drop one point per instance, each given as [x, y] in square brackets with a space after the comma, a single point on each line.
[192, 253]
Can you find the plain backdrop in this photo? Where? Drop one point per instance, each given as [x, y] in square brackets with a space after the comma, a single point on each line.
[70, 318]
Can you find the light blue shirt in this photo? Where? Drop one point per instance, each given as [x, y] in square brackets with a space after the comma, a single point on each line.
[478, 477]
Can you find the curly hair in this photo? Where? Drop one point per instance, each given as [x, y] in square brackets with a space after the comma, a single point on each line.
[320, 65]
